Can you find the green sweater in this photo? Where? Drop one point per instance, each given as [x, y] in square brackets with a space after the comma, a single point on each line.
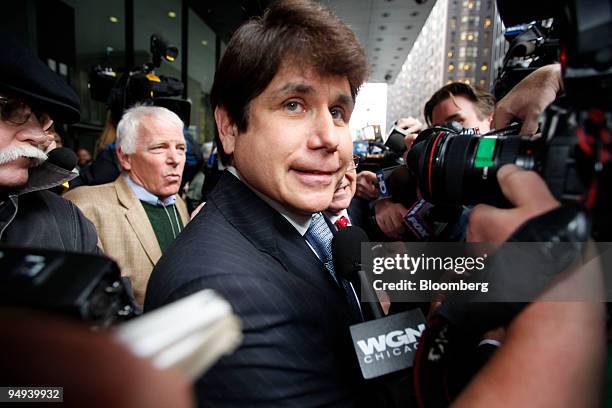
[166, 223]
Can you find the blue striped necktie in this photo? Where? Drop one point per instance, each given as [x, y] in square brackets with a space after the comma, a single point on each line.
[320, 237]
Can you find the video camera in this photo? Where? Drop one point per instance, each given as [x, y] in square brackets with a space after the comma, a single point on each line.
[532, 46]
[86, 287]
[141, 85]
[574, 149]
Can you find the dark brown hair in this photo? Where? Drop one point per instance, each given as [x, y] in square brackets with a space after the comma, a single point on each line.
[302, 32]
[484, 101]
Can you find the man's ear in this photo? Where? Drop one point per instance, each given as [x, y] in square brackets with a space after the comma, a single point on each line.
[228, 131]
[124, 160]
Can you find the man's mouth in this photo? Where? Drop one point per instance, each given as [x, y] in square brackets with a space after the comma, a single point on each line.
[314, 177]
[172, 177]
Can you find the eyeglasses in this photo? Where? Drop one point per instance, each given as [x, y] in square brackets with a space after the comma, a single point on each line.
[18, 112]
[354, 164]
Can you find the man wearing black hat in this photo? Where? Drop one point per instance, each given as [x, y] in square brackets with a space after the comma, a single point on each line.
[31, 98]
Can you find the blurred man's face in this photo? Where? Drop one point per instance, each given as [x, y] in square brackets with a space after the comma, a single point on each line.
[297, 145]
[84, 156]
[345, 191]
[20, 143]
[157, 165]
[460, 109]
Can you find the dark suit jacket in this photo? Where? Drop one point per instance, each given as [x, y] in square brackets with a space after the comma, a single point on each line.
[297, 349]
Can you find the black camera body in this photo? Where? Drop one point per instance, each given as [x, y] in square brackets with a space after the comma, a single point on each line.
[531, 46]
[86, 287]
[457, 166]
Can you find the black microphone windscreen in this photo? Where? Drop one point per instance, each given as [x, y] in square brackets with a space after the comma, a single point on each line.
[395, 142]
[402, 186]
[63, 157]
[346, 250]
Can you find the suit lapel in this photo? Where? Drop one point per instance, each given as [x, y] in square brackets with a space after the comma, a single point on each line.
[138, 220]
[269, 231]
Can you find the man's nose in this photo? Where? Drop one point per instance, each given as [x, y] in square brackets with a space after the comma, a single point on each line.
[173, 156]
[32, 132]
[325, 133]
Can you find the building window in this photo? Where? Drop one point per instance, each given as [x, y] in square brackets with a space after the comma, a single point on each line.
[484, 67]
[488, 22]
[473, 21]
[451, 67]
[472, 5]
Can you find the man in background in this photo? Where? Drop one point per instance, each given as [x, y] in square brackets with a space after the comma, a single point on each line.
[84, 157]
[139, 214]
[470, 106]
[337, 213]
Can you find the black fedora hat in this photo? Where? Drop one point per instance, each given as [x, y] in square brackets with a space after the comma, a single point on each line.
[24, 75]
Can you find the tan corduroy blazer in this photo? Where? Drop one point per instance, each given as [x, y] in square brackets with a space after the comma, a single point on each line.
[124, 231]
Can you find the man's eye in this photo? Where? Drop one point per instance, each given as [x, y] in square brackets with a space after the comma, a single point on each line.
[294, 107]
[337, 114]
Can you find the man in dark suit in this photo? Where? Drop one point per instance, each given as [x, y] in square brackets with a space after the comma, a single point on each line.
[283, 95]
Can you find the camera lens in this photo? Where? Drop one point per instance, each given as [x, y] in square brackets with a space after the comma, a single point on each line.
[454, 168]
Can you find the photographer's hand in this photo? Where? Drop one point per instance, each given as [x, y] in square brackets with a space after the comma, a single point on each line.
[413, 126]
[548, 342]
[390, 217]
[366, 185]
[529, 98]
[529, 194]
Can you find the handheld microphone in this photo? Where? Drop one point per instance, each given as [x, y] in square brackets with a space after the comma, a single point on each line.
[346, 250]
[395, 140]
[63, 157]
[402, 186]
[383, 345]
[397, 182]
[382, 175]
